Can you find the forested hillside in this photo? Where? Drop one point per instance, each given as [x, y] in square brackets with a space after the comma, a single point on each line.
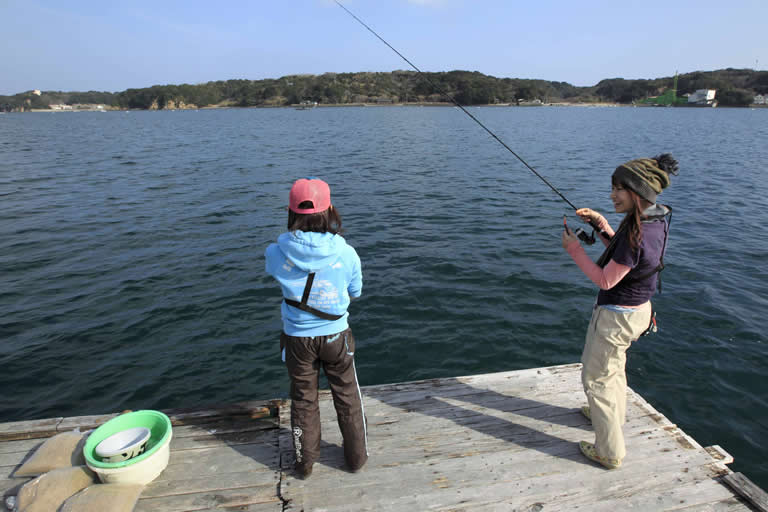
[735, 87]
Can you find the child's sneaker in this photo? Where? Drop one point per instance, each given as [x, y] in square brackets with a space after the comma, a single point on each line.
[586, 413]
[588, 449]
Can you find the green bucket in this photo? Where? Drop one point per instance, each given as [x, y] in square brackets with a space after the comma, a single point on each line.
[158, 424]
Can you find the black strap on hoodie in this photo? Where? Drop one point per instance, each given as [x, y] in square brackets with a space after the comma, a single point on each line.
[305, 297]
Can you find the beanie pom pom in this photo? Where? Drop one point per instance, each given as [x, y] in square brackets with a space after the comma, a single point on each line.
[667, 163]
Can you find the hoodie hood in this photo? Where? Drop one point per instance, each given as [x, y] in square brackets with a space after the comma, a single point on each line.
[310, 250]
[655, 212]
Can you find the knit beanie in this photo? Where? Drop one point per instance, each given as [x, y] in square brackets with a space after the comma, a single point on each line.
[647, 177]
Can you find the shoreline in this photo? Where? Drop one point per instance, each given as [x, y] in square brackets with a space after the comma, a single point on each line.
[379, 105]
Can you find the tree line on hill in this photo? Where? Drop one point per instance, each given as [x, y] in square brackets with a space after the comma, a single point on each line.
[735, 87]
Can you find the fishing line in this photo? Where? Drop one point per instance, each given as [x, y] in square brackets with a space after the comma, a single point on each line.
[453, 100]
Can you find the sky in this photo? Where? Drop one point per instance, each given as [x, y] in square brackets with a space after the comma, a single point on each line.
[82, 45]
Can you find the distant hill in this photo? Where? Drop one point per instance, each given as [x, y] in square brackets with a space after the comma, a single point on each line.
[735, 87]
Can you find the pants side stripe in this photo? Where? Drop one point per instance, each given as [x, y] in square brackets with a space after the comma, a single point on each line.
[362, 407]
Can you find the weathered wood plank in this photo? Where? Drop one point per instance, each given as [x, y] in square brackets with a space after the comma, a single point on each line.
[253, 409]
[260, 483]
[225, 425]
[719, 454]
[29, 429]
[20, 445]
[10, 486]
[255, 507]
[748, 490]
[218, 500]
[253, 457]
[205, 440]
[187, 416]
[732, 504]
[84, 423]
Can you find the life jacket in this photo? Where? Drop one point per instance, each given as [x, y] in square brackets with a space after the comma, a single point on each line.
[655, 213]
[305, 297]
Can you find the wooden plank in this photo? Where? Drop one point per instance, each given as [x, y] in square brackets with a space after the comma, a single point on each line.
[10, 486]
[734, 504]
[29, 429]
[263, 482]
[205, 440]
[225, 425]
[251, 409]
[748, 490]
[51, 426]
[84, 423]
[255, 507]
[220, 499]
[719, 454]
[20, 445]
[253, 457]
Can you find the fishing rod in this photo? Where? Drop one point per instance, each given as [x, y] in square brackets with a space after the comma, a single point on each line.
[582, 235]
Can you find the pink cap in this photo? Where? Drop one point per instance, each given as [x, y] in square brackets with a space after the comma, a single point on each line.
[310, 189]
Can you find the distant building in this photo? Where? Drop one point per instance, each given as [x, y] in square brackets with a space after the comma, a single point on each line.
[36, 92]
[760, 100]
[702, 97]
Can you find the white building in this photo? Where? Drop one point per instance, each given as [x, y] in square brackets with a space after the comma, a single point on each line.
[702, 97]
[760, 100]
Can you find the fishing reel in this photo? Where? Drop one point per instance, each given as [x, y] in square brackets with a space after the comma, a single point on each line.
[583, 236]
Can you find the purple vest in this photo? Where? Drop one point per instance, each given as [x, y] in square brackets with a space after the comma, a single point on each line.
[632, 291]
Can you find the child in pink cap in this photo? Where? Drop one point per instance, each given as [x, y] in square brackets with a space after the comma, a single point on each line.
[319, 274]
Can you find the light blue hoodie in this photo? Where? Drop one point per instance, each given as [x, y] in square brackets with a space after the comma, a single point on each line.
[338, 277]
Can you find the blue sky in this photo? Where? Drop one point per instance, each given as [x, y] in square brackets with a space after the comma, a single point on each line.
[82, 45]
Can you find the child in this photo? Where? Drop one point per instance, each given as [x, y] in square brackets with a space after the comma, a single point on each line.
[318, 273]
[627, 275]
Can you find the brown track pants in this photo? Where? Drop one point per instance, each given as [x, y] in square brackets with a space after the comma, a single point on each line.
[335, 353]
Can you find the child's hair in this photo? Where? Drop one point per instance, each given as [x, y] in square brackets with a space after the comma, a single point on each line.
[632, 221]
[328, 221]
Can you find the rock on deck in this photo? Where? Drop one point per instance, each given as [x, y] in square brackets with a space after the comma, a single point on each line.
[503, 441]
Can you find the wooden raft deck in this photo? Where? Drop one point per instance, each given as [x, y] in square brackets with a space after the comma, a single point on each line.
[503, 441]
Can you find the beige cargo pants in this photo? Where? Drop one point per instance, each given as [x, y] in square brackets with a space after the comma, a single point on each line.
[605, 382]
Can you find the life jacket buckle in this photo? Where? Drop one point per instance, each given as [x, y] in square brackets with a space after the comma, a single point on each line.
[652, 327]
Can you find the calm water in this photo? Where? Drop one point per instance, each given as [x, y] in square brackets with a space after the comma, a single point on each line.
[132, 270]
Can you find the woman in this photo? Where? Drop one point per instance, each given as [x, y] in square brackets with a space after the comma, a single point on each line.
[627, 274]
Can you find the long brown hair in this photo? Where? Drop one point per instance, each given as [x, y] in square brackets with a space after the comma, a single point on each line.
[328, 221]
[632, 221]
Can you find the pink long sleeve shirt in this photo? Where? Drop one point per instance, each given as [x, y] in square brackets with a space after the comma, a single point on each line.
[607, 277]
